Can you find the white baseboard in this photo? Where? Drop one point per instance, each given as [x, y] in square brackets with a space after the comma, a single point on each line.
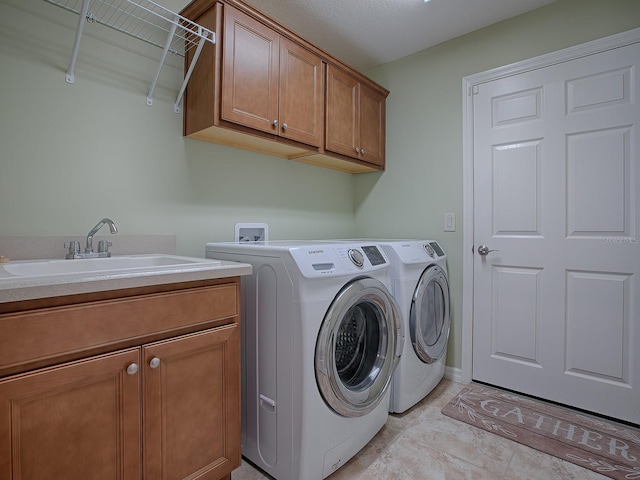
[453, 374]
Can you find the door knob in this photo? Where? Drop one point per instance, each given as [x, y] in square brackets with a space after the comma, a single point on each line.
[484, 250]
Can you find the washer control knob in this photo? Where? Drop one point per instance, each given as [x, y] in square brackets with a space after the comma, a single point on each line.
[356, 257]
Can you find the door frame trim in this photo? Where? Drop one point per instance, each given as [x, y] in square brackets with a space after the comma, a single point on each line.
[469, 84]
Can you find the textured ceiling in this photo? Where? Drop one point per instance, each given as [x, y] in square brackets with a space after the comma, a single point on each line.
[366, 33]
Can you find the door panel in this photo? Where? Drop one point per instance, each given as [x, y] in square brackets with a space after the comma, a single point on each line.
[75, 421]
[372, 122]
[592, 297]
[598, 182]
[249, 72]
[556, 178]
[301, 94]
[342, 112]
[516, 198]
[192, 405]
[516, 313]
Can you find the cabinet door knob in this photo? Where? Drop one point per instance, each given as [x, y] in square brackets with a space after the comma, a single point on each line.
[155, 362]
[362, 152]
[275, 123]
[284, 126]
[132, 369]
[357, 150]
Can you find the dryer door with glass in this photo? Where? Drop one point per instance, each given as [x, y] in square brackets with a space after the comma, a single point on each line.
[429, 320]
[357, 348]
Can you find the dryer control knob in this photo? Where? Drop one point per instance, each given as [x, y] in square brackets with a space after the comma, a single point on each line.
[356, 257]
[429, 249]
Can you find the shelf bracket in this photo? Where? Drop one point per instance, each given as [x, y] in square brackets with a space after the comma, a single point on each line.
[176, 106]
[70, 78]
[167, 45]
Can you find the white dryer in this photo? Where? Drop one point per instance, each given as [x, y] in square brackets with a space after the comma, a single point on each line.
[321, 338]
[420, 286]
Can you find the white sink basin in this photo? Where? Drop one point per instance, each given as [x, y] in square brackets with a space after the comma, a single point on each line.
[115, 264]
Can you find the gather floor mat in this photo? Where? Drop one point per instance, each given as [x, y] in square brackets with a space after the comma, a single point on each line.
[609, 448]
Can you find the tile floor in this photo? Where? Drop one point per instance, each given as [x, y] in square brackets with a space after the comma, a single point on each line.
[423, 444]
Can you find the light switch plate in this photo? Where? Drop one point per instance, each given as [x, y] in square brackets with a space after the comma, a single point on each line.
[449, 222]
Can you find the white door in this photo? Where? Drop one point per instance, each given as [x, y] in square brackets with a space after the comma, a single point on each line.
[556, 182]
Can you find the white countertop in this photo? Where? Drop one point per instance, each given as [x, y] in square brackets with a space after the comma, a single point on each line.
[17, 288]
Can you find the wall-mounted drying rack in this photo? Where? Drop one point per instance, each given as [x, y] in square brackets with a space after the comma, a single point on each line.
[146, 21]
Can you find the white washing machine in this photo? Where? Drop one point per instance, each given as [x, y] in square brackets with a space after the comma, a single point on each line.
[321, 338]
[420, 286]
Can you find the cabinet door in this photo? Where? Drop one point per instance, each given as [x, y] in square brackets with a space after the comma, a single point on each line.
[76, 421]
[249, 72]
[342, 113]
[301, 113]
[372, 126]
[191, 390]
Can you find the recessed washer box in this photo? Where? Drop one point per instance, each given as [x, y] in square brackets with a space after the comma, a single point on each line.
[251, 232]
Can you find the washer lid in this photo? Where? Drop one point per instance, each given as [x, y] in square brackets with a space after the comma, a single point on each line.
[429, 319]
[358, 348]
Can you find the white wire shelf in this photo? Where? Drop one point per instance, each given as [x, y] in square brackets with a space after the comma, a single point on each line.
[146, 21]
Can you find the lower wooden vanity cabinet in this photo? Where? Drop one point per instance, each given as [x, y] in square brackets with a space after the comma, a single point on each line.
[79, 420]
[167, 407]
[191, 405]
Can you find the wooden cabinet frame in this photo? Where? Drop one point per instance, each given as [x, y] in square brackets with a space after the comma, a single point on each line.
[245, 102]
[269, 82]
[67, 410]
[355, 118]
[49, 427]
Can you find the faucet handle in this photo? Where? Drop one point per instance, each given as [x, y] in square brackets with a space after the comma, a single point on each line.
[103, 246]
[73, 248]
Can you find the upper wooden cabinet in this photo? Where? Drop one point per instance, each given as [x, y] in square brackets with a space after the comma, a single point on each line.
[270, 83]
[355, 118]
[263, 88]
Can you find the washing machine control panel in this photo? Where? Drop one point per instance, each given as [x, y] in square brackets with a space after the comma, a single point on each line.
[335, 259]
[374, 254]
[356, 257]
[436, 247]
[411, 252]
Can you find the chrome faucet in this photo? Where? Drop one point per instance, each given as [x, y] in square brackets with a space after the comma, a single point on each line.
[112, 226]
[103, 245]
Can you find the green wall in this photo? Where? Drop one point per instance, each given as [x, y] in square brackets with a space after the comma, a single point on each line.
[423, 179]
[72, 154]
